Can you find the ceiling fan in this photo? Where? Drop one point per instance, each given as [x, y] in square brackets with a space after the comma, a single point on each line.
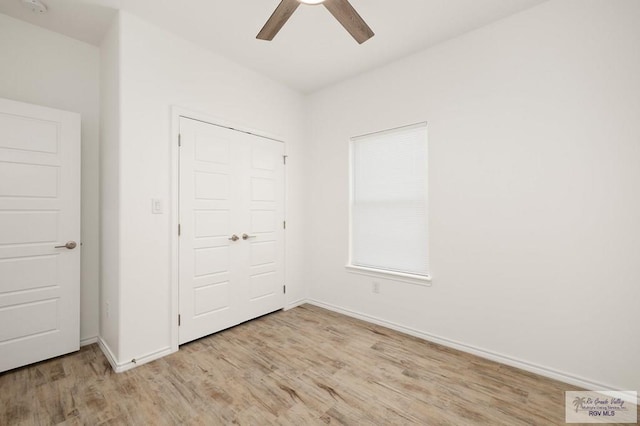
[340, 9]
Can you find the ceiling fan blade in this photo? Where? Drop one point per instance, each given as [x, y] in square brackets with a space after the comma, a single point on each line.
[279, 17]
[350, 19]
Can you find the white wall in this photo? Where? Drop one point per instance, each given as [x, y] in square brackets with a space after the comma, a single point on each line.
[110, 190]
[157, 71]
[534, 146]
[45, 68]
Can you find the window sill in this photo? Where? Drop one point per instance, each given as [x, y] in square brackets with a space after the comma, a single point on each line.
[390, 275]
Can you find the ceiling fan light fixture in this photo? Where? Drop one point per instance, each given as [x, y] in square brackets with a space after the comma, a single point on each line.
[312, 2]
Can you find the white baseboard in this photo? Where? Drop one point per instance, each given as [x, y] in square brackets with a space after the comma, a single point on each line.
[104, 347]
[143, 359]
[483, 353]
[120, 367]
[88, 341]
[295, 304]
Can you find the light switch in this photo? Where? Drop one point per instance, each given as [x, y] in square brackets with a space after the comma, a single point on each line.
[156, 206]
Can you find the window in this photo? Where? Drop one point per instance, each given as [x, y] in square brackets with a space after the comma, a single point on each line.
[389, 202]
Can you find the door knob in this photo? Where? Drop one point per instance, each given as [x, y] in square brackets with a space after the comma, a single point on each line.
[234, 237]
[70, 245]
[246, 237]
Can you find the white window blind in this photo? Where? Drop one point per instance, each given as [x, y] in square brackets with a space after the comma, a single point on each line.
[389, 201]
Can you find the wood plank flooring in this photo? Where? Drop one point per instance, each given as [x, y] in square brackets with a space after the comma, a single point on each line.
[305, 366]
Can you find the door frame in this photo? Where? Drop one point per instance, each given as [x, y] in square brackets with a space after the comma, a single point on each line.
[178, 112]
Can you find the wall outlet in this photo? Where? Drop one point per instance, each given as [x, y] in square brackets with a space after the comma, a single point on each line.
[107, 309]
[375, 287]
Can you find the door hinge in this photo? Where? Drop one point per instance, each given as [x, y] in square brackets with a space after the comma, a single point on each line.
[179, 139]
[284, 224]
[179, 320]
[179, 230]
[284, 159]
[284, 289]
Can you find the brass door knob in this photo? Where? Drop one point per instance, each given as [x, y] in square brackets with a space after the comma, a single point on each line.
[234, 237]
[246, 237]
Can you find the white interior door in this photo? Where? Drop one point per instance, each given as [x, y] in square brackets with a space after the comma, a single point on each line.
[231, 228]
[263, 210]
[39, 210]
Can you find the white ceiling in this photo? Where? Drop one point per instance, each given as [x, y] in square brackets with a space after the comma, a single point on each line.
[311, 51]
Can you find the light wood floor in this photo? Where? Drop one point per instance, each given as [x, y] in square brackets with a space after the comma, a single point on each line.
[301, 367]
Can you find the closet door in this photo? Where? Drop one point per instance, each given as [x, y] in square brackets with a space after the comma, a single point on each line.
[231, 252]
[264, 207]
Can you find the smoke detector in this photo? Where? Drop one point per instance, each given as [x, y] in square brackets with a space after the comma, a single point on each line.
[36, 6]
